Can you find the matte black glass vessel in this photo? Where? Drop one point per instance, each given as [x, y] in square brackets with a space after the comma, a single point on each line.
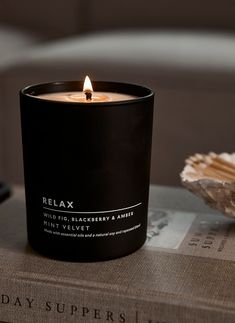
[87, 170]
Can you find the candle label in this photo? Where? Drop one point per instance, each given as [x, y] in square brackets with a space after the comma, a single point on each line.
[62, 218]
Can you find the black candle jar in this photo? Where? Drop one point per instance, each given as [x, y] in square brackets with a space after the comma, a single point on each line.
[86, 171]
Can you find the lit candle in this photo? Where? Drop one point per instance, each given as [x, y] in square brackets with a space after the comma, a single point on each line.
[86, 165]
[87, 96]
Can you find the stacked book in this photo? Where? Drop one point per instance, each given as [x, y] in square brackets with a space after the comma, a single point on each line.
[184, 273]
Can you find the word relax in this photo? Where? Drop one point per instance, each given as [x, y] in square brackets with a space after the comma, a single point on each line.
[56, 203]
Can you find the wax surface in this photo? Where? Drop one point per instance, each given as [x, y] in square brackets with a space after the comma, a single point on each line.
[80, 97]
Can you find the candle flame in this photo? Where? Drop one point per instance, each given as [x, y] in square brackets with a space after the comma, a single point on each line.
[87, 86]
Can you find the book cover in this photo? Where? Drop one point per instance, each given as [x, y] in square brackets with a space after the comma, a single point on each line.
[184, 273]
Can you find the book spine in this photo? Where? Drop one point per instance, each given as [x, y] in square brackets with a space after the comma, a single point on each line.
[39, 302]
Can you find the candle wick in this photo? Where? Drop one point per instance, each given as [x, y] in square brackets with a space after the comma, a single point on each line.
[88, 95]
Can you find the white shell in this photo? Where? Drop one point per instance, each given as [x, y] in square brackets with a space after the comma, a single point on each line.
[216, 193]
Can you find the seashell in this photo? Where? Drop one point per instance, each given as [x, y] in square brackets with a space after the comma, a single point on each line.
[212, 178]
